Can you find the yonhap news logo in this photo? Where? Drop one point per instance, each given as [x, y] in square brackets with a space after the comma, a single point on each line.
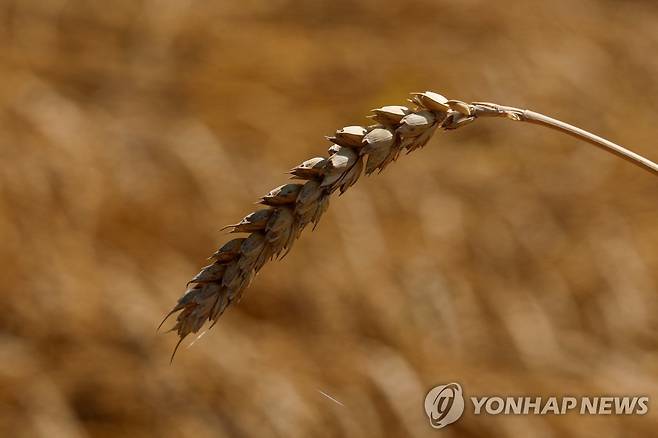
[445, 404]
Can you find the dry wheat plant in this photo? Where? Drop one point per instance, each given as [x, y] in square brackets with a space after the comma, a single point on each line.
[290, 208]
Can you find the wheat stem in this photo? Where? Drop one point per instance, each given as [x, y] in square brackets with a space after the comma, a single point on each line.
[355, 150]
[524, 115]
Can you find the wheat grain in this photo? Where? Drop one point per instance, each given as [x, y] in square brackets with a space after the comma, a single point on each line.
[290, 208]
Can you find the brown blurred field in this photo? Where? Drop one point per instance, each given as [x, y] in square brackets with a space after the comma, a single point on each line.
[505, 257]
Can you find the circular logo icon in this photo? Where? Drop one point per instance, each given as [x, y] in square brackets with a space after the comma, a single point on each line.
[444, 404]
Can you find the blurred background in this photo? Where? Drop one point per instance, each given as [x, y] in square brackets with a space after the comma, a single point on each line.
[508, 258]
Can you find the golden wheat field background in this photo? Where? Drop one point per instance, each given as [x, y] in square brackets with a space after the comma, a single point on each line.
[508, 258]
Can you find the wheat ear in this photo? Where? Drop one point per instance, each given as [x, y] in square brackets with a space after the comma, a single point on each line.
[290, 208]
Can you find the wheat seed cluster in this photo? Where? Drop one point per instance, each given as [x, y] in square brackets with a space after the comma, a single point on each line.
[269, 233]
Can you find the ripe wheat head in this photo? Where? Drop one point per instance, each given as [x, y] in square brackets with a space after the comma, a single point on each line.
[290, 208]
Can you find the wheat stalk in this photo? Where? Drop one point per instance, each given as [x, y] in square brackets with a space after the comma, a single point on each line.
[290, 208]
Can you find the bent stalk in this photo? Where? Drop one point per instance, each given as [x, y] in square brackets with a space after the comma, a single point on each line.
[288, 209]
